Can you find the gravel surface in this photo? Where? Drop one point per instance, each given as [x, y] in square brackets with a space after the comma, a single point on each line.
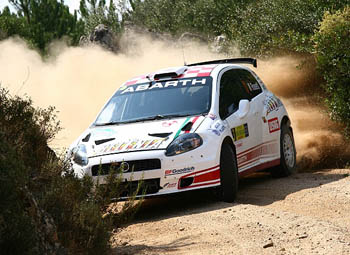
[307, 213]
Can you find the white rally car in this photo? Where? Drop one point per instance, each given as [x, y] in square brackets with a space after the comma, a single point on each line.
[191, 127]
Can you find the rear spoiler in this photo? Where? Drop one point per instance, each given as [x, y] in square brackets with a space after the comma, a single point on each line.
[251, 61]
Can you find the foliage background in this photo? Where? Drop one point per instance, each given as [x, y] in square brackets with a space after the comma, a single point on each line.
[315, 29]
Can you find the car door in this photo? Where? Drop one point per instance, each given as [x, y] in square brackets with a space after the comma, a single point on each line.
[236, 85]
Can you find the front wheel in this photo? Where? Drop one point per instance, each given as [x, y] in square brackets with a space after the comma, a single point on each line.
[288, 154]
[228, 174]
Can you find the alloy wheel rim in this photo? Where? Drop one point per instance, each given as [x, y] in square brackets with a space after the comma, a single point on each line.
[288, 151]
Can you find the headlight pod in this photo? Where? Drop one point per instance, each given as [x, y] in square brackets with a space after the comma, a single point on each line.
[80, 155]
[184, 143]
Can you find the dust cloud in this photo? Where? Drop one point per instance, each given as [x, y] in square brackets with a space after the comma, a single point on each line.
[319, 141]
[79, 80]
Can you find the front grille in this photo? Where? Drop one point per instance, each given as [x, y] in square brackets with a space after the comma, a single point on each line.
[132, 166]
[149, 186]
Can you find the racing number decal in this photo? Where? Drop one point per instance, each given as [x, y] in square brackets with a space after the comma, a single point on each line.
[240, 132]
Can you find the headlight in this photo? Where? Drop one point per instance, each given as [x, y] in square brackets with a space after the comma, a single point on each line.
[80, 155]
[184, 143]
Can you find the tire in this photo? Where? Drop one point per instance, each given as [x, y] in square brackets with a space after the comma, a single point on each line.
[228, 174]
[288, 154]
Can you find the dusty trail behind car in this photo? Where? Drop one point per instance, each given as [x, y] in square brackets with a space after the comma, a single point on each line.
[307, 213]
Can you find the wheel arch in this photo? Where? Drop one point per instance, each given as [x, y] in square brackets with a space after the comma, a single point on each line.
[286, 121]
[228, 140]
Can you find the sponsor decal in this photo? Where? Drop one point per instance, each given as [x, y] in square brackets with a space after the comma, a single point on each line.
[169, 185]
[240, 132]
[212, 116]
[153, 144]
[132, 145]
[272, 103]
[145, 143]
[215, 132]
[179, 171]
[253, 86]
[273, 125]
[217, 128]
[239, 144]
[253, 154]
[121, 146]
[250, 86]
[114, 147]
[180, 83]
[242, 159]
[106, 148]
[169, 123]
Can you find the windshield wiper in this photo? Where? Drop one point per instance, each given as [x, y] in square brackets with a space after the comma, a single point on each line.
[155, 117]
[108, 123]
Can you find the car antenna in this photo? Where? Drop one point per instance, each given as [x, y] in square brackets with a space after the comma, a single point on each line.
[183, 51]
[183, 54]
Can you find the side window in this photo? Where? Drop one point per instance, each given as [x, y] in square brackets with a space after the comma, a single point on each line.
[232, 90]
[250, 83]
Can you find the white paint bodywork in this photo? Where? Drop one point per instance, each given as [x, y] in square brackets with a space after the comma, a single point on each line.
[259, 150]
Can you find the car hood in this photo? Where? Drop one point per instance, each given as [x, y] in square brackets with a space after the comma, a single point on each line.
[139, 136]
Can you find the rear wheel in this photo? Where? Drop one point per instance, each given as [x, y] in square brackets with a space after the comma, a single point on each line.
[288, 154]
[228, 174]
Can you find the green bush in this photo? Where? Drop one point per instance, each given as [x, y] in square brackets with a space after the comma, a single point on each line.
[332, 41]
[208, 18]
[48, 211]
[271, 27]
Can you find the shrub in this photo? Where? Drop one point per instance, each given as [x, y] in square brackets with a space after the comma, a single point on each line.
[208, 18]
[48, 210]
[332, 42]
[271, 27]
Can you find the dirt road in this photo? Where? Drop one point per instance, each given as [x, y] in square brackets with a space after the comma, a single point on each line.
[307, 213]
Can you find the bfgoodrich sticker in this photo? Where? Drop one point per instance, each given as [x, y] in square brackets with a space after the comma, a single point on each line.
[179, 171]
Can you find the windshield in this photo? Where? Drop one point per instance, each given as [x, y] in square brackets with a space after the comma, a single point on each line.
[156, 100]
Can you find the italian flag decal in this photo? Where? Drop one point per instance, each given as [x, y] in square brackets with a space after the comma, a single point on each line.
[194, 119]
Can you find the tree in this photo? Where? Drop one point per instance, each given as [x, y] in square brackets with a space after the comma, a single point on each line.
[95, 12]
[48, 20]
[206, 17]
[332, 42]
[12, 24]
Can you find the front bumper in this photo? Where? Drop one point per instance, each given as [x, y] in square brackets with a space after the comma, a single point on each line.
[188, 171]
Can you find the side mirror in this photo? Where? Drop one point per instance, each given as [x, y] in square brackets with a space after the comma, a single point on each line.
[243, 108]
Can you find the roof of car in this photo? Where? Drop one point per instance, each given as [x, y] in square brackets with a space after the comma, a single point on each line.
[190, 72]
[200, 69]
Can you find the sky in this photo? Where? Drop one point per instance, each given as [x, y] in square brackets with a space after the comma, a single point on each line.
[73, 4]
